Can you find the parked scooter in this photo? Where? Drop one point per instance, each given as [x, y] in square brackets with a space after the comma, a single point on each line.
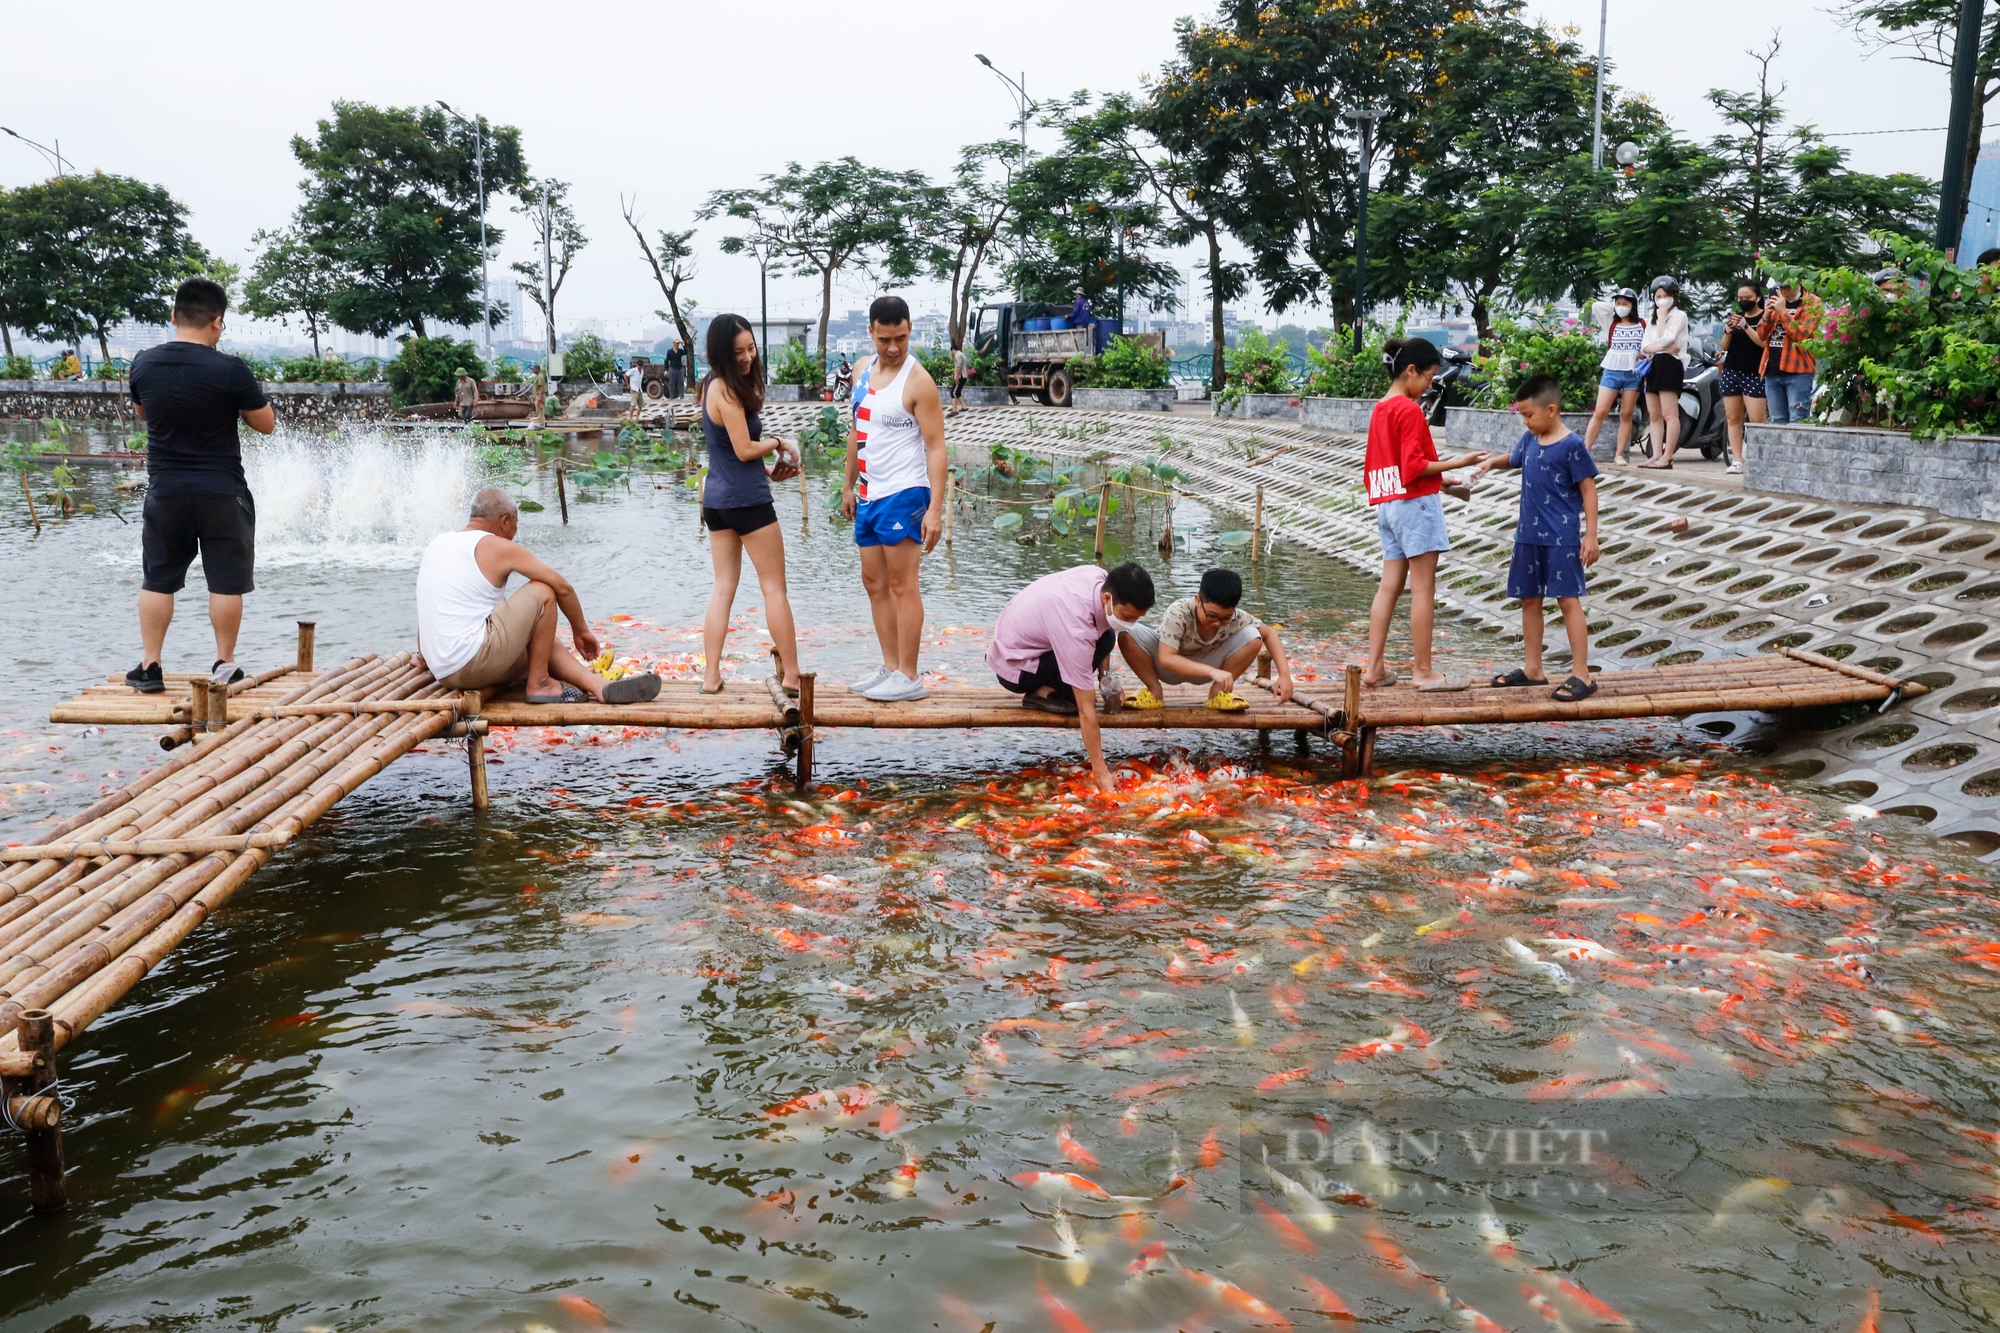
[1452, 386]
[1703, 425]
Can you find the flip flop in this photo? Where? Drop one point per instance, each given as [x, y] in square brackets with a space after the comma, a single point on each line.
[717, 690]
[1044, 703]
[1228, 703]
[1517, 677]
[632, 689]
[1574, 690]
[1391, 679]
[1449, 685]
[791, 691]
[570, 695]
[1144, 701]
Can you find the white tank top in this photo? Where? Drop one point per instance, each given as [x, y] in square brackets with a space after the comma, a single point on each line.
[453, 601]
[888, 444]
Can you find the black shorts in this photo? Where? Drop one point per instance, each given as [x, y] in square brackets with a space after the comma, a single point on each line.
[958, 388]
[1666, 374]
[742, 521]
[222, 527]
[1047, 673]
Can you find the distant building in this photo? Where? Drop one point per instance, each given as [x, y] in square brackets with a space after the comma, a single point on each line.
[1982, 216]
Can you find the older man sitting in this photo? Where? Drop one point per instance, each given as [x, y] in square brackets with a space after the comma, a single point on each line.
[474, 637]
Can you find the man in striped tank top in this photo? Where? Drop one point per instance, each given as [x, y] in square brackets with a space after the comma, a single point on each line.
[895, 494]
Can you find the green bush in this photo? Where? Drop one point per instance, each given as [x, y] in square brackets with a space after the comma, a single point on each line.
[1518, 351]
[17, 367]
[1126, 364]
[263, 368]
[588, 357]
[110, 370]
[797, 365]
[1336, 370]
[329, 369]
[427, 368]
[937, 360]
[1254, 365]
[1927, 361]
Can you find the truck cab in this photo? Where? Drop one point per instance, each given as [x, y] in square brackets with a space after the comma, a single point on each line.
[1031, 360]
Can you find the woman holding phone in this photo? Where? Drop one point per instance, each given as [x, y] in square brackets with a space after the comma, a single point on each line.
[736, 505]
[1741, 378]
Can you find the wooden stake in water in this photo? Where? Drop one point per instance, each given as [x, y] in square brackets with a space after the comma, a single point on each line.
[1257, 525]
[1103, 504]
[950, 503]
[37, 1033]
[562, 495]
[806, 682]
[475, 751]
[304, 664]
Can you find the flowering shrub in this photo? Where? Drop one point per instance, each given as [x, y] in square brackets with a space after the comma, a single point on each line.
[1336, 370]
[1925, 357]
[1254, 365]
[1520, 351]
[1126, 364]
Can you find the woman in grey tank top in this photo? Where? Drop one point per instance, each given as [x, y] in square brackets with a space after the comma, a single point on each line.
[736, 502]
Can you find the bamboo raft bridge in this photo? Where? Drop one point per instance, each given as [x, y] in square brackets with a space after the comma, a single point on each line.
[89, 911]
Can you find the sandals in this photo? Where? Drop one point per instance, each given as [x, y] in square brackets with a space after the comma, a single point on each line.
[1574, 690]
[570, 695]
[1391, 679]
[632, 689]
[1144, 701]
[1449, 685]
[1228, 703]
[1515, 678]
[1049, 703]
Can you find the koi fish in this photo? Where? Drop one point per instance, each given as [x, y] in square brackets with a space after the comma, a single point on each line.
[1329, 1304]
[582, 1307]
[1074, 1261]
[1233, 1297]
[1308, 1205]
[1552, 972]
[1061, 1317]
[1058, 1182]
[1075, 1151]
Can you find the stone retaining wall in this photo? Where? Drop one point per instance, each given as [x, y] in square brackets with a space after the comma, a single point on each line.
[1262, 407]
[1125, 400]
[1336, 416]
[1959, 477]
[312, 406]
[1496, 432]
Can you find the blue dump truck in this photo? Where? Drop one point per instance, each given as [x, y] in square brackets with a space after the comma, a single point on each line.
[1033, 342]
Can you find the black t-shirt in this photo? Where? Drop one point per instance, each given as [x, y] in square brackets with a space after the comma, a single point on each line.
[675, 358]
[193, 395]
[1743, 354]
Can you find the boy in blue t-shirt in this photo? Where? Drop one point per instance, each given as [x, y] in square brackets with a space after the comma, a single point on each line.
[1556, 538]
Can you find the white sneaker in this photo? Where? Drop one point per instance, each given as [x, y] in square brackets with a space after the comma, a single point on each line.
[869, 681]
[895, 688]
[1734, 467]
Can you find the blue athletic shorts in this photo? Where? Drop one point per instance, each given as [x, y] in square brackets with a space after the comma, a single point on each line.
[1411, 527]
[1620, 380]
[893, 518]
[1545, 571]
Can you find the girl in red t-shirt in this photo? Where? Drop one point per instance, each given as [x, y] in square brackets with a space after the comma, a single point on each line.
[1404, 475]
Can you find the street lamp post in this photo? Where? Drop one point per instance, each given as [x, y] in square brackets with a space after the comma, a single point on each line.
[1365, 118]
[53, 154]
[1964, 68]
[1597, 118]
[479, 163]
[764, 250]
[1020, 89]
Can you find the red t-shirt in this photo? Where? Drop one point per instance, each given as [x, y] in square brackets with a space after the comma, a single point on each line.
[1399, 449]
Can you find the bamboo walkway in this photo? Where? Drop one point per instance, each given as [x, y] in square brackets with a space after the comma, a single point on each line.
[87, 912]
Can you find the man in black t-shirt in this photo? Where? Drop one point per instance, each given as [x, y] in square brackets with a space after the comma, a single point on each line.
[191, 396]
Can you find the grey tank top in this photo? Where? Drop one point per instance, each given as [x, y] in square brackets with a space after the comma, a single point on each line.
[732, 483]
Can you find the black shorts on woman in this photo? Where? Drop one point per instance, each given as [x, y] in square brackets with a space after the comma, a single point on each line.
[1666, 375]
[741, 520]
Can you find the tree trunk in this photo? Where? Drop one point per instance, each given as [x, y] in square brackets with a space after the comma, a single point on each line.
[1482, 319]
[825, 313]
[1217, 373]
[312, 329]
[103, 345]
[417, 328]
[7, 339]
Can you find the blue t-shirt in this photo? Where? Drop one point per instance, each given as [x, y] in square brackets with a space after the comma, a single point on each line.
[1551, 489]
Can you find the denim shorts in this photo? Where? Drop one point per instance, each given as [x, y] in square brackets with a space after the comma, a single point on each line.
[1545, 571]
[1620, 381]
[1411, 527]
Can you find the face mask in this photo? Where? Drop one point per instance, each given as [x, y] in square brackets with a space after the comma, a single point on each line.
[1663, 301]
[1746, 306]
[1624, 309]
[1122, 626]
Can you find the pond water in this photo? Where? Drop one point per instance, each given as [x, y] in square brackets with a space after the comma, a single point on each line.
[1528, 1029]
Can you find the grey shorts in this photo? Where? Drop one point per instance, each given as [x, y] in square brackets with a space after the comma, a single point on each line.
[1411, 527]
[1148, 640]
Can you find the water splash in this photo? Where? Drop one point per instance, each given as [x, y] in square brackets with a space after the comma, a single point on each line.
[361, 497]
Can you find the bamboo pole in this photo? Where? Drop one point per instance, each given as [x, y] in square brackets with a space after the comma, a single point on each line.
[562, 494]
[304, 662]
[950, 504]
[807, 680]
[218, 706]
[44, 1140]
[59, 851]
[1257, 525]
[475, 750]
[1103, 504]
[1907, 688]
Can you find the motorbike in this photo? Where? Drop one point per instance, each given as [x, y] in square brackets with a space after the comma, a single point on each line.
[1703, 425]
[1452, 386]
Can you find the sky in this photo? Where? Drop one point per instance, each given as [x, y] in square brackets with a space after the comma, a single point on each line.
[674, 100]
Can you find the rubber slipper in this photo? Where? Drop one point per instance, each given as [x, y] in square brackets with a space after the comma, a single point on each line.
[1449, 685]
[717, 690]
[632, 689]
[1574, 690]
[791, 691]
[1391, 679]
[1144, 701]
[1043, 703]
[1517, 677]
[1228, 703]
[570, 695]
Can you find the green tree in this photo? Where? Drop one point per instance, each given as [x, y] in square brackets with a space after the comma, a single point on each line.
[1927, 30]
[392, 203]
[87, 252]
[588, 357]
[963, 220]
[426, 369]
[290, 280]
[817, 221]
[1092, 223]
[672, 261]
[1667, 218]
[558, 238]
